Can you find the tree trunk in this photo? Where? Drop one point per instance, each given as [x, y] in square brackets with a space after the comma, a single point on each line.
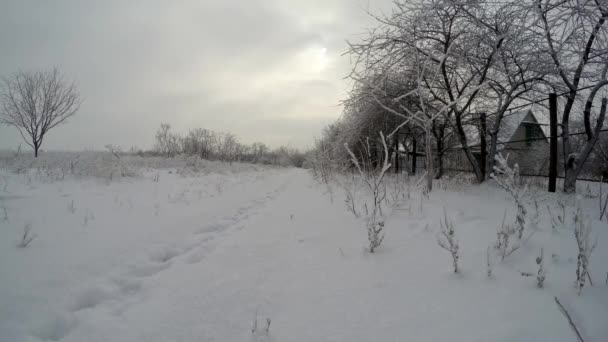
[36, 143]
[467, 150]
[428, 139]
[575, 162]
[439, 173]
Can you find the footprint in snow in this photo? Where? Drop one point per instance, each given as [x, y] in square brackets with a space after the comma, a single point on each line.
[164, 255]
[88, 299]
[55, 328]
[148, 270]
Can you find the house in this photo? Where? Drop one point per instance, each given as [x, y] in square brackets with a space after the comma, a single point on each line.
[521, 136]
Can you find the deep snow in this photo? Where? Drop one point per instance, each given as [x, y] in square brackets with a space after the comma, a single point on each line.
[168, 256]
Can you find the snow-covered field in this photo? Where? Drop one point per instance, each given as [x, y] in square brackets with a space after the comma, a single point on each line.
[171, 251]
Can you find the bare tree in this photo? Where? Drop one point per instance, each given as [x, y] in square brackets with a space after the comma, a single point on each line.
[415, 103]
[575, 34]
[458, 45]
[167, 142]
[36, 102]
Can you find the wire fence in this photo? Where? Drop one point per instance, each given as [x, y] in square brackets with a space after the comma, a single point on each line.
[528, 146]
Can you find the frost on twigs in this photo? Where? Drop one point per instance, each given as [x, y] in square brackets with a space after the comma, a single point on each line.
[504, 242]
[350, 184]
[582, 233]
[447, 239]
[373, 178]
[375, 234]
[508, 178]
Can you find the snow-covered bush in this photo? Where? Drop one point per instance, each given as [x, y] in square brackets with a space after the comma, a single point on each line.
[398, 189]
[322, 165]
[582, 233]
[258, 333]
[508, 179]
[192, 166]
[559, 220]
[375, 234]
[373, 178]
[447, 239]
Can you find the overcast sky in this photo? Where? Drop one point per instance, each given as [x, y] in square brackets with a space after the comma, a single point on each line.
[265, 70]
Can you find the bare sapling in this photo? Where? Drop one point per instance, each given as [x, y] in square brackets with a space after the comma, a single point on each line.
[258, 332]
[4, 184]
[71, 207]
[27, 237]
[508, 178]
[540, 274]
[373, 179]
[323, 165]
[582, 233]
[504, 243]
[558, 220]
[535, 219]
[447, 239]
[489, 265]
[5, 214]
[350, 185]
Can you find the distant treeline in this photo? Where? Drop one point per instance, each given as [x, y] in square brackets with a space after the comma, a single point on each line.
[222, 146]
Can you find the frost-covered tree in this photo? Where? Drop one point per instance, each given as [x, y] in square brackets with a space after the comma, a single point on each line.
[575, 37]
[438, 56]
[36, 102]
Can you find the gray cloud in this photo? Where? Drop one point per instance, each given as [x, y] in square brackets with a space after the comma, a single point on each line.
[267, 71]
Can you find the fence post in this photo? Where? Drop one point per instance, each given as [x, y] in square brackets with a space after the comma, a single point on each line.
[414, 154]
[482, 143]
[552, 141]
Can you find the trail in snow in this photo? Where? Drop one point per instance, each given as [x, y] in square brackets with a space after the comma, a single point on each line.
[123, 267]
[276, 247]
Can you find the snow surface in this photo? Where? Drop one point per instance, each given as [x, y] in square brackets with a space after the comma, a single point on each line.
[174, 256]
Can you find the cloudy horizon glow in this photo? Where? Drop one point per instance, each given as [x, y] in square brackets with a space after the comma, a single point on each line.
[267, 71]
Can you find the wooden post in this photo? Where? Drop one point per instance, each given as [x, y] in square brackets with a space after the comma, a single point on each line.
[482, 141]
[552, 141]
[414, 154]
